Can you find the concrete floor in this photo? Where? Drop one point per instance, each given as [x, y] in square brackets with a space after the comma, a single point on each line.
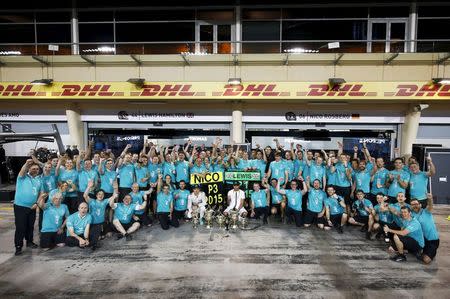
[276, 261]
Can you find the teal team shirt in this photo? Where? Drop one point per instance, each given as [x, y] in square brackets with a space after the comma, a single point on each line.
[27, 190]
[299, 165]
[415, 230]
[259, 199]
[53, 218]
[126, 175]
[97, 210]
[362, 180]
[182, 171]
[260, 165]
[384, 216]
[153, 170]
[182, 200]
[395, 187]
[427, 223]
[84, 177]
[341, 178]
[78, 223]
[244, 164]
[48, 182]
[379, 178]
[290, 168]
[334, 206]
[163, 202]
[198, 169]
[275, 195]
[316, 198]
[107, 180]
[141, 172]
[418, 185]
[124, 212]
[277, 170]
[331, 177]
[316, 172]
[169, 170]
[71, 177]
[398, 219]
[138, 198]
[360, 205]
[294, 199]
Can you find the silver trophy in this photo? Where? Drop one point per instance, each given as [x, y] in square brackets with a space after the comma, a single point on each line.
[209, 214]
[234, 215]
[220, 220]
[243, 221]
[195, 216]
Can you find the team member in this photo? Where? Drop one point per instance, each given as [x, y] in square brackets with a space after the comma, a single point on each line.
[52, 232]
[236, 199]
[278, 170]
[397, 180]
[181, 169]
[361, 179]
[28, 189]
[85, 175]
[395, 208]
[430, 232]
[197, 199]
[363, 213]
[138, 197]
[168, 165]
[277, 201]
[48, 178]
[78, 225]
[335, 210]
[126, 173]
[378, 179]
[123, 216]
[180, 197]
[315, 206]
[141, 172]
[164, 205]
[260, 202]
[409, 237]
[260, 162]
[343, 178]
[419, 180]
[97, 207]
[382, 216]
[317, 171]
[70, 175]
[294, 200]
[108, 178]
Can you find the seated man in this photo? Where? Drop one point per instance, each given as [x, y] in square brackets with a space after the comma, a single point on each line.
[180, 197]
[294, 200]
[260, 202]
[138, 197]
[382, 216]
[430, 232]
[335, 210]
[278, 203]
[52, 232]
[315, 206]
[236, 199]
[409, 237]
[123, 216]
[78, 225]
[362, 213]
[197, 199]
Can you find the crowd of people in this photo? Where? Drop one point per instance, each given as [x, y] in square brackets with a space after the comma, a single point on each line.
[86, 196]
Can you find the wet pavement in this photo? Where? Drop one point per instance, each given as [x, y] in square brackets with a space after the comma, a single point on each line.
[269, 261]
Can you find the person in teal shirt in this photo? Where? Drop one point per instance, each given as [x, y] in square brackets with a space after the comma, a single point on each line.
[48, 179]
[430, 232]
[108, 178]
[84, 176]
[168, 167]
[126, 175]
[78, 226]
[382, 216]
[244, 163]
[182, 168]
[418, 181]
[123, 221]
[317, 171]
[154, 169]
[294, 200]
[378, 179]
[70, 175]
[363, 214]
[343, 179]
[335, 210]
[409, 237]
[277, 170]
[315, 205]
[278, 203]
[289, 166]
[28, 189]
[164, 205]
[180, 197]
[54, 221]
[141, 172]
[260, 162]
[259, 202]
[397, 180]
[395, 208]
[361, 178]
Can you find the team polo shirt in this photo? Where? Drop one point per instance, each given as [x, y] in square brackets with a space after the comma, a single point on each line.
[259, 199]
[244, 164]
[107, 180]
[294, 199]
[277, 169]
[53, 217]
[182, 200]
[260, 165]
[383, 216]
[395, 187]
[299, 165]
[331, 177]
[141, 172]
[275, 195]
[126, 175]
[379, 178]
[78, 223]
[153, 170]
[316, 172]
[124, 213]
[289, 166]
[341, 178]
[415, 230]
[360, 205]
[169, 170]
[334, 206]
[198, 169]
[48, 182]
[182, 171]
[27, 190]
[362, 180]
[163, 202]
[316, 198]
[138, 198]
[398, 219]
[84, 177]
[97, 210]
[418, 185]
[71, 177]
[427, 223]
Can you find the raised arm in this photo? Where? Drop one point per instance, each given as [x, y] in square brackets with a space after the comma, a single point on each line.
[86, 192]
[58, 166]
[159, 185]
[35, 160]
[431, 168]
[366, 152]
[429, 202]
[78, 162]
[88, 153]
[279, 190]
[41, 201]
[340, 149]
[23, 171]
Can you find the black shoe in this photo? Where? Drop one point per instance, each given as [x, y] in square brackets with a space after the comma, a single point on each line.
[93, 248]
[400, 258]
[120, 236]
[32, 245]
[18, 251]
[368, 235]
[378, 236]
[128, 237]
[340, 229]
[363, 228]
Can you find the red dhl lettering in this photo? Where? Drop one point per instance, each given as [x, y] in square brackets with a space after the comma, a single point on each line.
[352, 90]
[167, 90]
[71, 90]
[427, 90]
[253, 90]
[17, 90]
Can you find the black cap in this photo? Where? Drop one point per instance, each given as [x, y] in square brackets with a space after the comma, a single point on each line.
[236, 183]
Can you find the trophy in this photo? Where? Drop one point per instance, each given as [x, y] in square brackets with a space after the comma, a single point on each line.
[220, 220]
[195, 216]
[209, 217]
[243, 221]
[234, 218]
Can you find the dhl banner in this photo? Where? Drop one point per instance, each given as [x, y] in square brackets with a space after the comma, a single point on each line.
[218, 90]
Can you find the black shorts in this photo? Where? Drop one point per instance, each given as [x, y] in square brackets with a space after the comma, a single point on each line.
[336, 219]
[409, 244]
[361, 219]
[50, 239]
[311, 217]
[372, 198]
[430, 248]
[345, 193]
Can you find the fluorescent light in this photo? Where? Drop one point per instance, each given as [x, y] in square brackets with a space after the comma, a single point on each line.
[334, 45]
[42, 82]
[103, 49]
[234, 81]
[203, 53]
[441, 80]
[10, 53]
[300, 50]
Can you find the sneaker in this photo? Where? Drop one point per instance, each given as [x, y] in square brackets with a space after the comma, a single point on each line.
[368, 235]
[400, 258]
[93, 248]
[128, 237]
[378, 236]
[18, 251]
[394, 257]
[120, 236]
[340, 229]
[387, 240]
[32, 245]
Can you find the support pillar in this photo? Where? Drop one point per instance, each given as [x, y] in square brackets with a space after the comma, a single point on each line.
[75, 126]
[74, 31]
[409, 131]
[236, 130]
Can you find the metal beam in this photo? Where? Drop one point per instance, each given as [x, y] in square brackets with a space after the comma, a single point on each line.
[185, 59]
[391, 58]
[89, 60]
[443, 59]
[41, 60]
[338, 58]
[286, 60]
[235, 59]
[2, 63]
[133, 56]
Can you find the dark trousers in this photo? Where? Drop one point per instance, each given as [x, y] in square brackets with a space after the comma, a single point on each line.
[165, 221]
[72, 204]
[122, 192]
[179, 214]
[297, 216]
[95, 231]
[263, 211]
[72, 241]
[24, 220]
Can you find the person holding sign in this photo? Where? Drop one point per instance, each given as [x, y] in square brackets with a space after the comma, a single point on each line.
[197, 199]
[294, 199]
[260, 202]
[236, 199]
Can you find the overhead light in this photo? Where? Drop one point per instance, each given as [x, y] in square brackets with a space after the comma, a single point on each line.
[441, 81]
[201, 53]
[103, 49]
[139, 82]
[42, 82]
[234, 81]
[10, 53]
[336, 81]
[300, 50]
[334, 45]
[420, 107]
